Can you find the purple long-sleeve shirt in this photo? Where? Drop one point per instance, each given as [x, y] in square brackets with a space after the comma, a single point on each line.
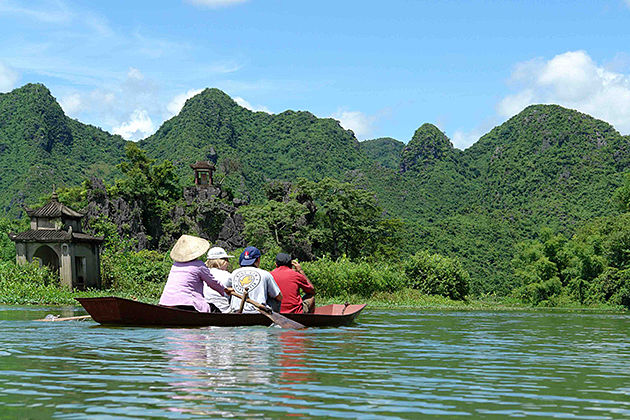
[185, 285]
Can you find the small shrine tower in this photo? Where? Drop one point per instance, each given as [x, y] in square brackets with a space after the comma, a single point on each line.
[56, 240]
[203, 173]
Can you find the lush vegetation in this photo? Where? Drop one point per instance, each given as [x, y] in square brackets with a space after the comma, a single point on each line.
[326, 218]
[251, 148]
[385, 151]
[41, 147]
[591, 267]
[547, 167]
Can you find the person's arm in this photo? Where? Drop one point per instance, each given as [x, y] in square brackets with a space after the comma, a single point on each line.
[206, 276]
[273, 290]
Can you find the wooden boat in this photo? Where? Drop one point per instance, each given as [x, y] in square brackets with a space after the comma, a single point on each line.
[119, 311]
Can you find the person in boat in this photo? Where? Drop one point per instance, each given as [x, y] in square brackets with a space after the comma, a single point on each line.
[290, 277]
[184, 287]
[259, 283]
[218, 262]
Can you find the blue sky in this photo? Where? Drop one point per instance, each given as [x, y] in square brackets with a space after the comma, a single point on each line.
[381, 68]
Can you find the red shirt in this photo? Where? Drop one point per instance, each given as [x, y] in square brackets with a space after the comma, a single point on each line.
[290, 282]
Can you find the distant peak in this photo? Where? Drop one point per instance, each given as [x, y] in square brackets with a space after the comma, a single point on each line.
[215, 93]
[427, 145]
[383, 140]
[33, 90]
[541, 111]
[212, 98]
[427, 130]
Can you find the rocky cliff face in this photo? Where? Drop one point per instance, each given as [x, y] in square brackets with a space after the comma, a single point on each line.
[206, 212]
[211, 214]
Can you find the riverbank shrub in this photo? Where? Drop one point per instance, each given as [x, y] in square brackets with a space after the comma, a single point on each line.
[32, 273]
[592, 267]
[141, 274]
[27, 283]
[613, 286]
[344, 277]
[436, 274]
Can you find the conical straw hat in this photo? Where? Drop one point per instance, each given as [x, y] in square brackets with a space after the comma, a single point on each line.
[189, 248]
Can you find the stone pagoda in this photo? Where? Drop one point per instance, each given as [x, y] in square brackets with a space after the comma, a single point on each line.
[203, 173]
[56, 240]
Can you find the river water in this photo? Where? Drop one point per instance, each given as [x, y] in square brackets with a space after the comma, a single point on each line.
[390, 364]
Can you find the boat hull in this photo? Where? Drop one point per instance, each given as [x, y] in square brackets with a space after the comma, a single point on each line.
[120, 311]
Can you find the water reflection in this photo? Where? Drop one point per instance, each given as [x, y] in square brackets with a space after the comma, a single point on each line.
[205, 363]
[221, 356]
[213, 363]
[293, 345]
[394, 364]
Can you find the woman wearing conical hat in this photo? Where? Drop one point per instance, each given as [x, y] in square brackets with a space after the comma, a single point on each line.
[184, 287]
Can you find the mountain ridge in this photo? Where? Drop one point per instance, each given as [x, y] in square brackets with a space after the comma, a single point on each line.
[40, 147]
[264, 146]
[546, 166]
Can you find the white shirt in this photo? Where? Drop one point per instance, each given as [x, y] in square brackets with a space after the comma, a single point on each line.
[212, 296]
[260, 285]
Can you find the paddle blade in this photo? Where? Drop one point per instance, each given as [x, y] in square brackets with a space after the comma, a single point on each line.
[285, 322]
[53, 318]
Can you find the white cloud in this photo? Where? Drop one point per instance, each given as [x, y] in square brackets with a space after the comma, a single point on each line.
[223, 67]
[256, 108]
[8, 78]
[138, 126]
[177, 103]
[572, 80]
[463, 139]
[135, 74]
[513, 104]
[71, 104]
[356, 121]
[98, 101]
[215, 4]
[57, 12]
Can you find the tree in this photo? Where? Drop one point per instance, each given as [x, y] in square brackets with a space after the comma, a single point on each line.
[7, 247]
[348, 220]
[144, 179]
[153, 185]
[435, 274]
[313, 219]
[275, 224]
[622, 196]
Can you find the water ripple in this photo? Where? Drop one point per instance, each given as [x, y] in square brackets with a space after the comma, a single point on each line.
[393, 364]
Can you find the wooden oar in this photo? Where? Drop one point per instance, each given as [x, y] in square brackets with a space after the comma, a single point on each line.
[281, 320]
[70, 318]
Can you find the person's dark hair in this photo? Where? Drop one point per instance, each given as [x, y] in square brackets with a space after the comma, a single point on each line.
[283, 259]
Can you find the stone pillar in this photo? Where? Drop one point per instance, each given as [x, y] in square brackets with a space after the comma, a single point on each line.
[65, 268]
[96, 251]
[20, 253]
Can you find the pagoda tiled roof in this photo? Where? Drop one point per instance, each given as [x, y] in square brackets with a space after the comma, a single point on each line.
[203, 164]
[49, 235]
[54, 209]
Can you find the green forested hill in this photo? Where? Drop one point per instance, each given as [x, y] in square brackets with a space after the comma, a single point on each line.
[550, 161]
[385, 151]
[546, 167]
[254, 146]
[41, 147]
